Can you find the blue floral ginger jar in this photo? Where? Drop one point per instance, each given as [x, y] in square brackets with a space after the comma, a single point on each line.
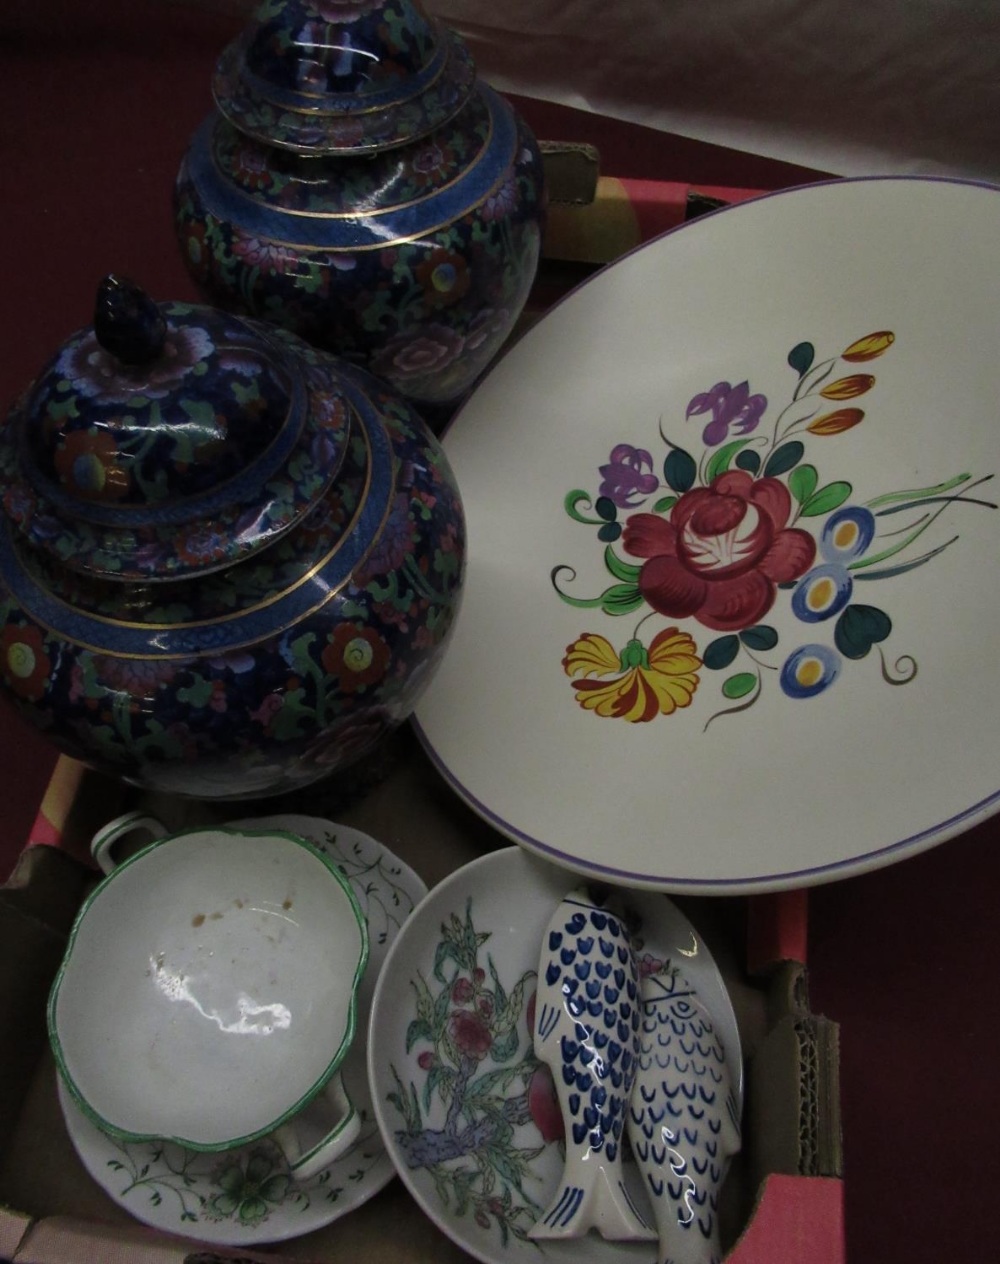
[359, 185]
[229, 563]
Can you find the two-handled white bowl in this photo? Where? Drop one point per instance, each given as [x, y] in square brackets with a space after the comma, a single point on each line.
[208, 992]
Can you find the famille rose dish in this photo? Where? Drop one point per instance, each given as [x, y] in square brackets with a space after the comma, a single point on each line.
[465, 1106]
[732, 549]
[248, 1195]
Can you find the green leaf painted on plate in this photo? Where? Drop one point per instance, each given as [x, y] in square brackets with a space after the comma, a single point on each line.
[760, 637]
[621, 569]
[828, 498]
[664, 503]
[721, 459]
[504, 1047]
[801, 357]
[784, 458]
[802, 482]
[740, 685]
[859, 628]
[720, 653]
[572, 502]
[680, 470]
[606, 508]
[749, 461]
[621, 599]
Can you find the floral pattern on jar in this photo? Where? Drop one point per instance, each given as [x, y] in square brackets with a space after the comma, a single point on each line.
[274, 673]
[422, 289]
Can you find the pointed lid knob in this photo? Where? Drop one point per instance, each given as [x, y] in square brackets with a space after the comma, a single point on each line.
[167, 439]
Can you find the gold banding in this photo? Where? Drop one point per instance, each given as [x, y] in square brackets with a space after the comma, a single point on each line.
[217, 651]
[355, 215]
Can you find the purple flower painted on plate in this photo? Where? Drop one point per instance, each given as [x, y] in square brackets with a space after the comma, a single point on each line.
[733, 409]
[627, 478]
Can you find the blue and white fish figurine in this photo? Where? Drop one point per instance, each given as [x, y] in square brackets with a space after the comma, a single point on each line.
[683, 1121]
[587, 1031]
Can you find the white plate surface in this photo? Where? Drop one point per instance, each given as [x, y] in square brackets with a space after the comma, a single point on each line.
[246, 1196]
[828, 702]
[460, 977]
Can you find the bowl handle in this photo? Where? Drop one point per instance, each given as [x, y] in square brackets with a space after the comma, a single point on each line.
[108, 836]
[339, 1139]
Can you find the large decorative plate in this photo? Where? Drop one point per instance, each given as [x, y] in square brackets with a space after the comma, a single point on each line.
[465, 1108]
[247, 1196]
[730, 621]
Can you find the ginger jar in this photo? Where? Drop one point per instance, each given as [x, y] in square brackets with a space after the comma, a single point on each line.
[361, 186]
[229, 563]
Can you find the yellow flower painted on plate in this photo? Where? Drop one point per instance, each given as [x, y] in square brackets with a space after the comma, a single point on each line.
[636, 684]
[869, 347]
[836, 422]
[849, 387]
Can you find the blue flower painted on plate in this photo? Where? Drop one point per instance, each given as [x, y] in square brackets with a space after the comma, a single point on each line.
[847, 533]
[822, 593]
[809, 670]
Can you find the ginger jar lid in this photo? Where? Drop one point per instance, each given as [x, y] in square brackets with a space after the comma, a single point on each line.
[342, 76]
[166, 440]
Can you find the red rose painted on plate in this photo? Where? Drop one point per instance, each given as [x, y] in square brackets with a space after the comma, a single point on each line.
[719, 554]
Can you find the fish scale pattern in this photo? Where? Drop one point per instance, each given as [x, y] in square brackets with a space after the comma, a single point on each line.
[682, 1120]
[591, 963]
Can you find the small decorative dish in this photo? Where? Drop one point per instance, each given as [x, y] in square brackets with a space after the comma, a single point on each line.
[247, 1195]
[466, 1109]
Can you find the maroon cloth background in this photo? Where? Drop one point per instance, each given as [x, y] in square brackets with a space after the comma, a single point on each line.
[97, 101]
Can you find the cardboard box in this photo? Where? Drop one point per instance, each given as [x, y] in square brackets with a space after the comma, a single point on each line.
[594, 219]
[783, 1198]
[623, 214]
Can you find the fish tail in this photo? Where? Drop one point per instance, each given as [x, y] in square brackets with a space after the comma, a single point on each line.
[604, 1204]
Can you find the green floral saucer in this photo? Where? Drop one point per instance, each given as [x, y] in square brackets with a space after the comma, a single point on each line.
[248, 1195]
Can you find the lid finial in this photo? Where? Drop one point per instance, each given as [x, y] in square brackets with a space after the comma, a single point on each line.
[127, 322]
